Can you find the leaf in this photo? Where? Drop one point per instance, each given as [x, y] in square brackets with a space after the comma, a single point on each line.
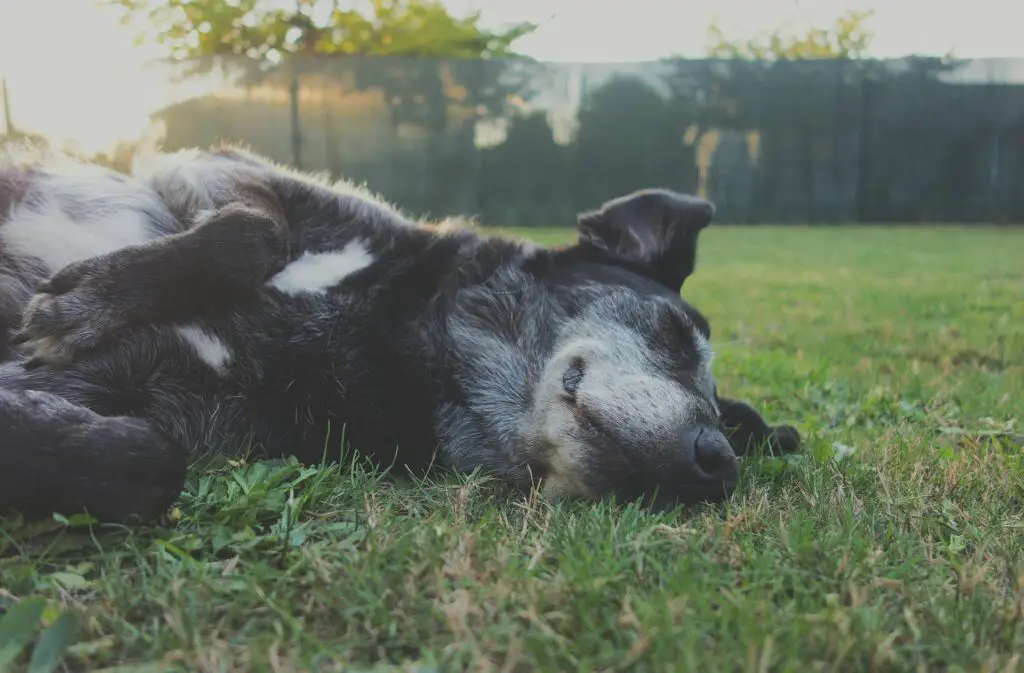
[18, 626]
[82, 520]
[91, 648]
[296, 537]
[175, 551]
[70, 581]
[53, 643]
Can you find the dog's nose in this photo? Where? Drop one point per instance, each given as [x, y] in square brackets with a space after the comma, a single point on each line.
[713, 457]
[699, 467]
[708, 469]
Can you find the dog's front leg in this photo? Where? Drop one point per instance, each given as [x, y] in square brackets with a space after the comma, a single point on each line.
[232, 251]
[747, 430]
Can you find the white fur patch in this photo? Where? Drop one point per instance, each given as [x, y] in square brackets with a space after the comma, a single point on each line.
[154, 167]
[208, 347]
[190, 180]
[316, 272]
[80, 220]
[529, 248]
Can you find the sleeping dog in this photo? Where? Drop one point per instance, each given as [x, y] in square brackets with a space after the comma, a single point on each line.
[216, 301]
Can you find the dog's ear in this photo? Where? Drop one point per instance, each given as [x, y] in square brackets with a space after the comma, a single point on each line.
[655, 229]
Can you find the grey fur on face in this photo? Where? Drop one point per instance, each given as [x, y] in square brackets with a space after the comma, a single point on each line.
[640, 374]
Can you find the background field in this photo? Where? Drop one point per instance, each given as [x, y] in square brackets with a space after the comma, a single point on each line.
[895, 543]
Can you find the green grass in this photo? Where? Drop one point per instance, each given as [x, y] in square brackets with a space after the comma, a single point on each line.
[904, 550]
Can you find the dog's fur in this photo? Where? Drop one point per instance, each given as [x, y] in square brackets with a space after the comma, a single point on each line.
[213, 300]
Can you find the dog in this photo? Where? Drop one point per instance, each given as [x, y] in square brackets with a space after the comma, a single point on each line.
[215, 300]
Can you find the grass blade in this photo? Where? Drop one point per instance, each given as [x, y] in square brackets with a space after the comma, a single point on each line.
[18, 626]
[53, 644]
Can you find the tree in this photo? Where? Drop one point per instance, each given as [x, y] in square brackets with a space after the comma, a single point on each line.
[785, 84]
[268, 34]
[275, 29]
[826, 117]
[721, 92]
[849, 37]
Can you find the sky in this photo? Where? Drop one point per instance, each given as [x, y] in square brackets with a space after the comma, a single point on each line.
[66, 60]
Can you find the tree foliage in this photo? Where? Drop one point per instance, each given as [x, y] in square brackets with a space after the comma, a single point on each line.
[262, 35]
[275, 29]
[849, 36]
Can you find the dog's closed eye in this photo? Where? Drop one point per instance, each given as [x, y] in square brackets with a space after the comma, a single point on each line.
[572, 378]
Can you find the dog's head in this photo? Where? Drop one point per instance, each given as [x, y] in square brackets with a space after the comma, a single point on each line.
[626, 401]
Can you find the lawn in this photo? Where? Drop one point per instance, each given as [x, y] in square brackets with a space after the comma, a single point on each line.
[896, 542]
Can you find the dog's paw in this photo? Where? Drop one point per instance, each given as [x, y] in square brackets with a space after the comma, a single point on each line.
[785, 439]
[70, 314]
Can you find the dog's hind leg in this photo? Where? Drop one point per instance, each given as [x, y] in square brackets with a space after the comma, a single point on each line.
[747, 430]
[56, 456]
[228, 252]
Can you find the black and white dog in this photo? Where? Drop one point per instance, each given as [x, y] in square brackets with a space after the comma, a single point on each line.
[214, 300]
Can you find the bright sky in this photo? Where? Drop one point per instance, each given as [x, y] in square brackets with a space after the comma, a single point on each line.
[67, 61]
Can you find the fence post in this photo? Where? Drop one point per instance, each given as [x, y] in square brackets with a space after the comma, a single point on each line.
[863, 194]
[8, 129]
[296, 130]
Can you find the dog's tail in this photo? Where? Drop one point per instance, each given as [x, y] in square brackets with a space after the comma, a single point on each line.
[56, 456]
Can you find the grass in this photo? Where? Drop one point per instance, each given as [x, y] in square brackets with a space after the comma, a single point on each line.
[895, 543]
